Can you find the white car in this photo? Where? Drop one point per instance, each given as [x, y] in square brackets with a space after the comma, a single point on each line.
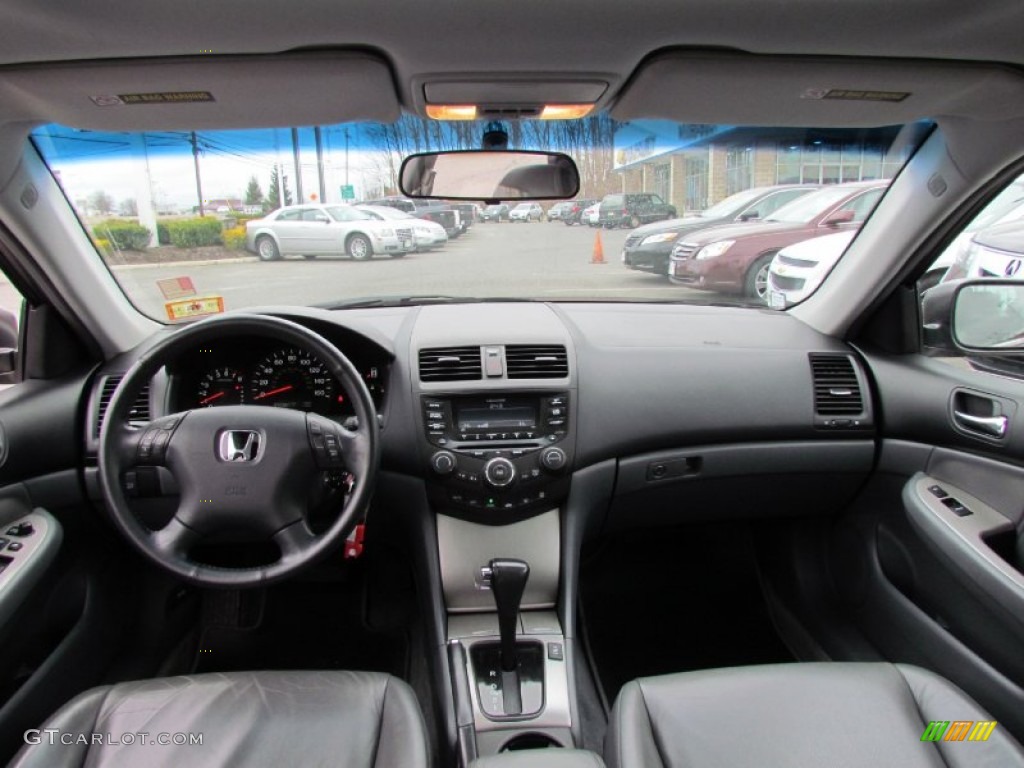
[312, 230]
[592, 216]
[526, 212]
[427, 234]
[797, 270]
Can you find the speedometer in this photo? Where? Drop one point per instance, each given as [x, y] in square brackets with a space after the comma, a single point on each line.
[294, 378]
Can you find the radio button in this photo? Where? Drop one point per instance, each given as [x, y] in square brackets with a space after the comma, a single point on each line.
[443, 462]
[499, 472]
[435, 415]
[556, 422]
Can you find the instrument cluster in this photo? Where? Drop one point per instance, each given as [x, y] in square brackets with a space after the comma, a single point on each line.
[256, 371]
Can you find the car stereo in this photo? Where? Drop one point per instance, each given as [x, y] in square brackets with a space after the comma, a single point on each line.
[502, 418]
[508, 452]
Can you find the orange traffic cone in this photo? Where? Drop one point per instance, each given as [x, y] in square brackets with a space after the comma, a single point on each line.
[598, 257]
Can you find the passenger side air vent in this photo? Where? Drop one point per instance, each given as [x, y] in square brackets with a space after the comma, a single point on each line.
[450, 364]
[139, 413]
[836, 388]
[542, 361]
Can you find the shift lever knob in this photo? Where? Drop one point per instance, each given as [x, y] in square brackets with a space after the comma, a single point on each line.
[508, 580]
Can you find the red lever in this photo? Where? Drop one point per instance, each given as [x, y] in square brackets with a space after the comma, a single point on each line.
[354, 542]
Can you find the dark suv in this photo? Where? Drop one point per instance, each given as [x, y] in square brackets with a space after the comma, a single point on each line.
[632, 210]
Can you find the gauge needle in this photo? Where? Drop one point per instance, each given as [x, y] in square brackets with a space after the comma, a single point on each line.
[277, 391]
[211, 398]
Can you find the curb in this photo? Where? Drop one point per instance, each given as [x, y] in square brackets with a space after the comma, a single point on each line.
[199, 263]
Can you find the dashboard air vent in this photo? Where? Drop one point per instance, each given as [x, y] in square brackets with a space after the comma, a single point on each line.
[450, 364]
[139, 412]
[541, 361]
[836, 389]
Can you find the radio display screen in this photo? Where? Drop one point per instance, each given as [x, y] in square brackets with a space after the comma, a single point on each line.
[474, 415]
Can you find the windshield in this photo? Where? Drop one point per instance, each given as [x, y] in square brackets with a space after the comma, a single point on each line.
[732, 204]
[222, 220]
[805, 209]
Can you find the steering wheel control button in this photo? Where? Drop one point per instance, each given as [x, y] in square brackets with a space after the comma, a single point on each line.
[443, 462]
[499, 472]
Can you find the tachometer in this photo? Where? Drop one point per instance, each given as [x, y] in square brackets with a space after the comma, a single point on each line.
[221, 386]
[294, 378]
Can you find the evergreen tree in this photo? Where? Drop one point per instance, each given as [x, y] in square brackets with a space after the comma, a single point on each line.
[273, 199]
[253, 193]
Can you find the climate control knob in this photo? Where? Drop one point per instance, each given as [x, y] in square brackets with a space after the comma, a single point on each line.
[499, 472]
[443, 462]
[553, 459]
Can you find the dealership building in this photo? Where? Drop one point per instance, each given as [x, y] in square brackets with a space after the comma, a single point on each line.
[695, 166]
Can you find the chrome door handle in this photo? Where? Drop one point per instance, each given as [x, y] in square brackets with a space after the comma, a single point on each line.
[990, 425]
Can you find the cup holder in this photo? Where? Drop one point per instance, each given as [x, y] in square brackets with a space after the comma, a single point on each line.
[530, 741]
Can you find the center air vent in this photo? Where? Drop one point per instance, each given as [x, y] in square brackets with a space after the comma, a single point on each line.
[836, 388]
[541, 361]
[450, 364]
[139, 412]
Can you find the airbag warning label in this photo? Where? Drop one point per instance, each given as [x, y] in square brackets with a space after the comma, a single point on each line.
[167, 97]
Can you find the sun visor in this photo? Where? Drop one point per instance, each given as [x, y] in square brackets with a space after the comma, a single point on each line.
[207, 92]
[745, 89]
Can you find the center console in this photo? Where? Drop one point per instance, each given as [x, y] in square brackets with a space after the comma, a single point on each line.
[497, 400]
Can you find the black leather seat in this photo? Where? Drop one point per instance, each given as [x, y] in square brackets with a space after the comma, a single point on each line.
[798, 715]
[245, 719]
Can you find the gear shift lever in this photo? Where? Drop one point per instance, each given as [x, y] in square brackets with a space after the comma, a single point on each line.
[508, 580]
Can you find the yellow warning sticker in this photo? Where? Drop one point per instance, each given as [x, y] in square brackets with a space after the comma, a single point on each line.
[189, 308]
[166, 97]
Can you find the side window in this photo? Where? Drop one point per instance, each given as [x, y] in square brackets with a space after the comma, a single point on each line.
[11, 303]
[314, 214]
[766, 206]
[655, 200]
[985, 312]
[863, 206]
[289, 215]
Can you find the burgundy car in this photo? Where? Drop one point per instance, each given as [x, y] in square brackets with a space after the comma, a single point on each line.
[735, 258]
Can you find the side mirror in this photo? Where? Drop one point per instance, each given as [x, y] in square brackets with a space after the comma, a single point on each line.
[972, 316]
[839, 217]
[490, 175]
[750, 216]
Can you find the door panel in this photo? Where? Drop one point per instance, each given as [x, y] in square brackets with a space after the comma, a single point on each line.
[941, 527]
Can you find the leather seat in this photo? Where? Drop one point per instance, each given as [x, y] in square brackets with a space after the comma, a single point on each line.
[798, 715]
[251, 719]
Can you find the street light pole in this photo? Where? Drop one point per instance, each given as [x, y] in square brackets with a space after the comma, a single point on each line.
[199, 182]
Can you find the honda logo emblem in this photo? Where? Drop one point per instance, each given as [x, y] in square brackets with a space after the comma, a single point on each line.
[239, 445]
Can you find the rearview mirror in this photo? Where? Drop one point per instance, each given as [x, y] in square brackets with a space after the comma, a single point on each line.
[490, 175]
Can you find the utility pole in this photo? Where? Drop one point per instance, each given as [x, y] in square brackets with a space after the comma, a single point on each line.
[280, 185]
[320, 162]
[199, 182]
[299, 197]
[346, 155]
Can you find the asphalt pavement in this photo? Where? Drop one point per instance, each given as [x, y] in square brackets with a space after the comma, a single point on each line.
[545, 260]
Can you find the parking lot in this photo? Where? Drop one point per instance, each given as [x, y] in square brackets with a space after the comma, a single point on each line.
[538, 260]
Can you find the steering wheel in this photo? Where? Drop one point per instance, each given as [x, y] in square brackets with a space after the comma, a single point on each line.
[244, 471]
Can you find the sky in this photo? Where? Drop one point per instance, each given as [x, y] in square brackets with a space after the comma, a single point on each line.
[116, 163]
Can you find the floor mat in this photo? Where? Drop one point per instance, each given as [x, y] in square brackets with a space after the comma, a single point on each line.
[296, 626]
[665, 600]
